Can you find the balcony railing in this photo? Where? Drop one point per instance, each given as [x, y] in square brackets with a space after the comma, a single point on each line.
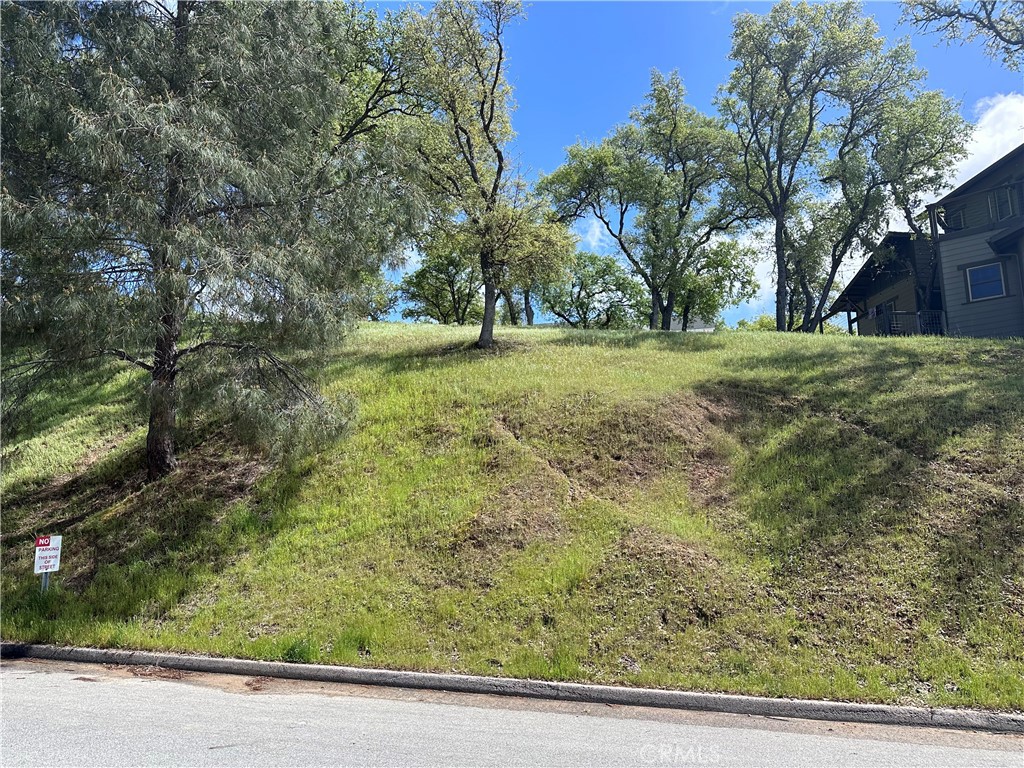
[929, 322]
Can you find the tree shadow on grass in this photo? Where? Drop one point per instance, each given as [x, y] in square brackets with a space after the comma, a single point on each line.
[131, 549]
[439, 357]
[807, 482]
[859, 489]
[72, 394]
[916, 398]
[666, 340]
[436, 357]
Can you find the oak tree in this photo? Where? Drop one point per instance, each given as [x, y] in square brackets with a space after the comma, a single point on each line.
[595, 292]
[658, 186]
[465, 148]
[817, 100]
[999, 22]
[446, 285]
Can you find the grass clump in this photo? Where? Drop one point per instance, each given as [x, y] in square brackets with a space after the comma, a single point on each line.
[755, 513]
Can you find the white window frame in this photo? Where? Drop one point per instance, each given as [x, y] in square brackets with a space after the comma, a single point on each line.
[993, 203]
[955, 220]
[1002, 281]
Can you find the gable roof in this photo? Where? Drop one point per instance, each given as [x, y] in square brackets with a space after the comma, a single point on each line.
[877, 274]
[1014, 158]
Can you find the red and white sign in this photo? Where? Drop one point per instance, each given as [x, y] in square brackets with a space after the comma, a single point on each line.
[47, 554]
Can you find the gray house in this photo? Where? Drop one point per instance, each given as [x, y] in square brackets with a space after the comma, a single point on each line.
[971, 285]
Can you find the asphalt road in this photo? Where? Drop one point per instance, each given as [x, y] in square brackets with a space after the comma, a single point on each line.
[60, 714]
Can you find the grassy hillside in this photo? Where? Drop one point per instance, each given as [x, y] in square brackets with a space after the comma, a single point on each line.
[758, 513]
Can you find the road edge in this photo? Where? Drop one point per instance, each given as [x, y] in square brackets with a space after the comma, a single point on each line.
[851, 712]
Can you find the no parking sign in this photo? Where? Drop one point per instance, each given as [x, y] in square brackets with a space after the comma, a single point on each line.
[48, 553]
[47, 557]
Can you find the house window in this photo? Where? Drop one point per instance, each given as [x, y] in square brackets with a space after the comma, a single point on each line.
[1000, 203]
[985, 282]
[954, 220]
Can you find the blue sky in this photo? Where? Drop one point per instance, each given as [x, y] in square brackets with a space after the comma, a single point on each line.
[579, 67]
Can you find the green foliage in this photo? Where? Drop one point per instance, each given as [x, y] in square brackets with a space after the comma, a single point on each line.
[538, 247]
[767, 323]
[596, 292]
[269, 403]
[759, 323]
[823, 110]
[1000, 23]
[375, 298]
[170, 204]
[726, 278]
[657, 186]
[445, 288]
[465, 144]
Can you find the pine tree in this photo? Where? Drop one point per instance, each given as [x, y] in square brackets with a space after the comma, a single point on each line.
[194, 189]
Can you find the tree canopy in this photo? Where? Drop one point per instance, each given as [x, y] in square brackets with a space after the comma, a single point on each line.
[657, 185]
[209, 191]
[819, 104]
[595, 291]
[446, 285]
[471, 175]
[194, 188]
[1000, 23]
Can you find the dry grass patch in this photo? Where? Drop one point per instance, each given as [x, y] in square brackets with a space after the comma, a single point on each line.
[615, 449]
[523, 511]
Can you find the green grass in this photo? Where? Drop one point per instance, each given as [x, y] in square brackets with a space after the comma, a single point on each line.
[770, 514]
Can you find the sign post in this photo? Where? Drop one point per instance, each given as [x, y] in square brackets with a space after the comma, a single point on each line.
[47, 558]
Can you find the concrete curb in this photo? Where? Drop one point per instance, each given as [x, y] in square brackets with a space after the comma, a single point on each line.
[1003, 722]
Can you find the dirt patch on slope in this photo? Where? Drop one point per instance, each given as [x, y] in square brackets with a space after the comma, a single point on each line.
[519, 513]
[524, 509]
[610, 449]
[682, 579]
[654, 588]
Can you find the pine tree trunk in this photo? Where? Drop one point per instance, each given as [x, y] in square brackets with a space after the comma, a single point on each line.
[781, 298]
[160, 455]
[163, 405]
[486, 340]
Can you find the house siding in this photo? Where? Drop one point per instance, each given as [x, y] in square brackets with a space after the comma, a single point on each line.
[1000, 317]
[972, 234]
[973, 202]
[974, 213]
[902, 293]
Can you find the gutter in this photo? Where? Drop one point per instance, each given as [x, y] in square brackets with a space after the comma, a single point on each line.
[841, 711]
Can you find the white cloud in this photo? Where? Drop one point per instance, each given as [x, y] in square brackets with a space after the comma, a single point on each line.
[593, 235]
[999, 128]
